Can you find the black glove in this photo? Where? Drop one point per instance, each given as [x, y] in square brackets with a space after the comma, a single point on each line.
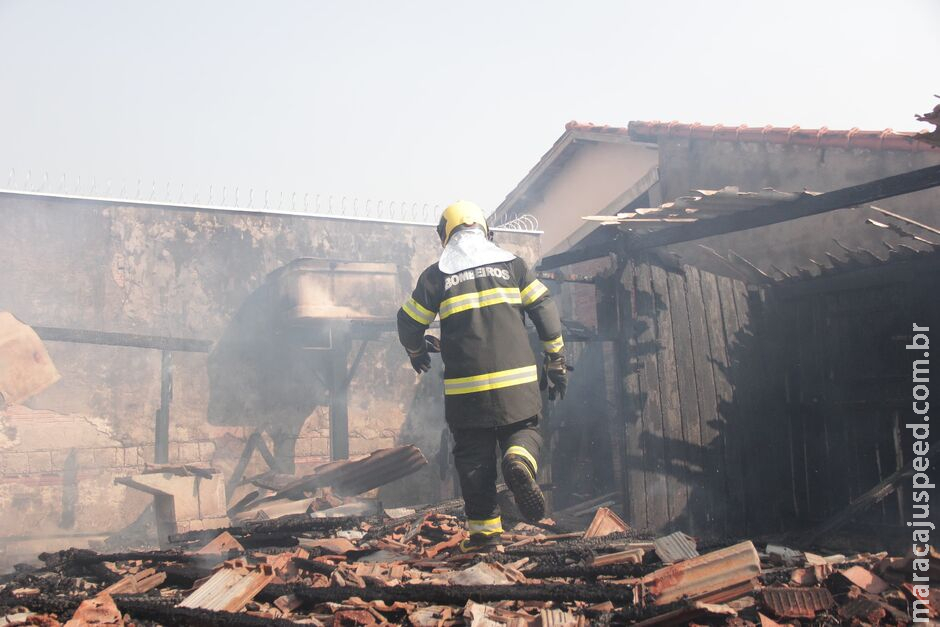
[555, 375]
[421, 360]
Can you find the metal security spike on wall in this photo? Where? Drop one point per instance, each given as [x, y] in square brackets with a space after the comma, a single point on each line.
[331, 205]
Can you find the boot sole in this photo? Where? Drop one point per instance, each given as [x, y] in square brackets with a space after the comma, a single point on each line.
[529, 498]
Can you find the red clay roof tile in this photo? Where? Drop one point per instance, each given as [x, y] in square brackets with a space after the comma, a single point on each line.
[822, 137]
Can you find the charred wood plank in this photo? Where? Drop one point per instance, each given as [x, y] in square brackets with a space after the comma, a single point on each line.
[108, 338]
[170, 615]
[155, 609]
[313, 566]
[85, 557]
[620, 595]
[620, 571]
[300, 523]
[862, 503]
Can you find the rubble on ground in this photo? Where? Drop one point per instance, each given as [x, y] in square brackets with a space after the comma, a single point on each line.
[408, 569]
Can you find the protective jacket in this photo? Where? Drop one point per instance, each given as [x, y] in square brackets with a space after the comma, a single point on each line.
[490, 373]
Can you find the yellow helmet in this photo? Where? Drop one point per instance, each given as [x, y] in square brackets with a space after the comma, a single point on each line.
[462, 212]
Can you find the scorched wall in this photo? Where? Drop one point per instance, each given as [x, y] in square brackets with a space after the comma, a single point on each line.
[184, 273]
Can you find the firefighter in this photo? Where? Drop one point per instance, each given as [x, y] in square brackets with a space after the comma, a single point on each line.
[481, 294]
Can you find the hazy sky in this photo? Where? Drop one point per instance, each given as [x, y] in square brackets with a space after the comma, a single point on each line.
[422, 101]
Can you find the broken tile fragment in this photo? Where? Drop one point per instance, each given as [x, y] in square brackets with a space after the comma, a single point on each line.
[605, 523]
[796, 602]
[714, 577]
[100, 610]
[863, 578]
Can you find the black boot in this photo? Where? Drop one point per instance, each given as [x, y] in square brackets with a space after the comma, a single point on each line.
[480, 543]
[520, 477]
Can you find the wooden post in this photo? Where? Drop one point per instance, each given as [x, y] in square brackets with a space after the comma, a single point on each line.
[339, 390]
[161, 440]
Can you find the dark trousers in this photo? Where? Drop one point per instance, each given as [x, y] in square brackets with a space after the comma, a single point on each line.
[476, 460]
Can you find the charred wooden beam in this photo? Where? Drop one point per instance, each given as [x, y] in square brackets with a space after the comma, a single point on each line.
[313, 566]
[620, 571]
[133, 340]
[162, 611]
[84, 557]
[170, 615]
[625, 244]
[300, 523]
[863, 502]
[620, 595]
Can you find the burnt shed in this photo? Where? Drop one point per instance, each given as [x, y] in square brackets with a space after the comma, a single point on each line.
[753, 307]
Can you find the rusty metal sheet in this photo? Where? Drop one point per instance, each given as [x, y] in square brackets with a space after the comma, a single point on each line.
[675, 547]
[797, 602]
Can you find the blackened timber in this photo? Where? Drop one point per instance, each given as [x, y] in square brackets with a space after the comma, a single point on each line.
[805, 206]
[620, 595]
[84, 557]
[710, 437]
[161, 441]
[313, 566]
[159, 610]
[649, 402]
[859, 505]
[132, 340]
[587, 253]
[719, 416]
[339, 394]
[693, 457]
[300, 523]
[580, 548]
[734, 414]
[634, 483]
[620, 571]
[170, 615]
[677, 480]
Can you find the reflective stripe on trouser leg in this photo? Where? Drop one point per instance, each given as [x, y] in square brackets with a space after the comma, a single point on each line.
[489, 527]
[523, 453]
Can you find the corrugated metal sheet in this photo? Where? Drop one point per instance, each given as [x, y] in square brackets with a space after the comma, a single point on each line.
[675, 547]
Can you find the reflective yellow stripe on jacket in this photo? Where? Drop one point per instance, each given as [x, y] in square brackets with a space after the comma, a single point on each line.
[553, 346]
[532, 292]
[491, 381]
[476, 300]
[418, 312]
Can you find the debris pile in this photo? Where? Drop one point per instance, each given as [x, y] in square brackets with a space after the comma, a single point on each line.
[405, 567]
